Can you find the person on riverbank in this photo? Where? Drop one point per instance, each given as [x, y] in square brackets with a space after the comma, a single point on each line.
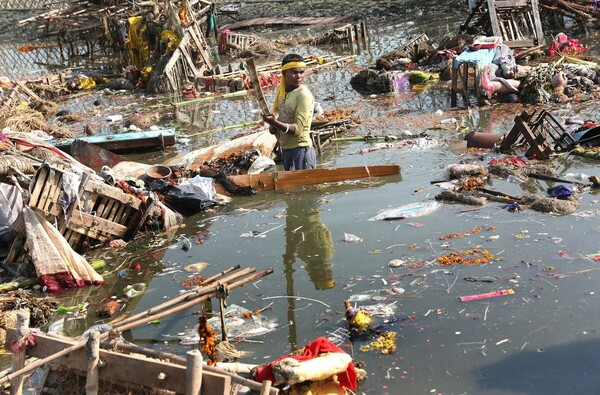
[292, 116]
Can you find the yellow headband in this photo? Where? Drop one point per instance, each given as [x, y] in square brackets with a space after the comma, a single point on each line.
[292, 65]
[281, 89]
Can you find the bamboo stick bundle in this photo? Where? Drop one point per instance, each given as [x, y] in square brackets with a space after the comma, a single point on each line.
[173, 306]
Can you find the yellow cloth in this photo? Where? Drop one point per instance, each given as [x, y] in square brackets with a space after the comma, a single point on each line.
[138, 45]
[281, 89]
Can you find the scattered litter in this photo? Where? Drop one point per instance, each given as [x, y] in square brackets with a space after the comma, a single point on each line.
[398, 290]
[203, 187]
[256, 233]
[397, 263]
[241, 323]
[195, 267]
[578, 176]
[418, 281]
[358, 318]
[376, 295]
[114, 118]
[381, 309]
[411, 210]
[350, 238]
[133, 290]
[385, 343]
[448, 121]
[502, 292]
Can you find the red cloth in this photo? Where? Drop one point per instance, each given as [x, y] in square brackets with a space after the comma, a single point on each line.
[564, 45]
[223, 41]
[318, 346]
[515, 161]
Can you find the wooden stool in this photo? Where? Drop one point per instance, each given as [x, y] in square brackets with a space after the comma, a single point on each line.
[460, 69]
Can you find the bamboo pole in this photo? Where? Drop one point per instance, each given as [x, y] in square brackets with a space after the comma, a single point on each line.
[239, 125]
[93, 354]
[207, 281]
[19, 355]
[198, 291]
[211, 98]
[121, 328]
[175, 309]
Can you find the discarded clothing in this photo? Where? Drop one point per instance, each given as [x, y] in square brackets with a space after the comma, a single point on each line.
[560, 192]
[56, 264]
[318, 346]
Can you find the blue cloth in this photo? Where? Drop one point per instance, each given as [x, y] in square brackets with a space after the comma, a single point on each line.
[300, 158]
[561, 192]
[481, 57]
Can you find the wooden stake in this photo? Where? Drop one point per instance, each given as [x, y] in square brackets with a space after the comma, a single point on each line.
[93, 354]
[18, 362]
[193, 372]
[222, 314]
[266, 387]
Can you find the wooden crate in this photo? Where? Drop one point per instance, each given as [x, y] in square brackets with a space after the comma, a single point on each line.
[100, 213]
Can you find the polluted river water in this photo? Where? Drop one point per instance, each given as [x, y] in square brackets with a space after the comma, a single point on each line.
[541, 339]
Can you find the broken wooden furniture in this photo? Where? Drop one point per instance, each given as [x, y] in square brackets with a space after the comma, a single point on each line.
[415, 45]
[99, 212]
[516, 21]
[461, 65]
[238, 41]
[279, 180]
[269, 73]
[541, 132]
[88, 29]
[322, 132]
[191, 58]
[140, 370]
[124, 142]
[350, 34]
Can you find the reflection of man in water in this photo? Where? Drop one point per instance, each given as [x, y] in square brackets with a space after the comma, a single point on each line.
[309, 239]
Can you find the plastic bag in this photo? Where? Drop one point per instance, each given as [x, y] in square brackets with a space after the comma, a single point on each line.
[201, 186]
[561, 192]
[260, 164]
[350, 238]
[134, 290]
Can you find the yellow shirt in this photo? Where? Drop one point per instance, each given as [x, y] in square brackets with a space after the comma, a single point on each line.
[296, 107]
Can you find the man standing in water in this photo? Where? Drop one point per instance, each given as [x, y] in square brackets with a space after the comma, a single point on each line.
[294, 105]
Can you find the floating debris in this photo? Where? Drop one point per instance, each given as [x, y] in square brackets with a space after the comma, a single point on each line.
[411, 210]
[385, 343]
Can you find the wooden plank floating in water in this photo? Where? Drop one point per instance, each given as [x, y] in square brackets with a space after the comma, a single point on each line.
[125, 141]
[276, 180]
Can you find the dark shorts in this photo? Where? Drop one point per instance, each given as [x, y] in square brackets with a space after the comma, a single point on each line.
[299, 158]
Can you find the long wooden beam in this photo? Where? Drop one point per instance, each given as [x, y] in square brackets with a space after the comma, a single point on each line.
[276, 180]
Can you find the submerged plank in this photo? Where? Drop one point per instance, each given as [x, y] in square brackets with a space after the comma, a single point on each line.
[287, 179]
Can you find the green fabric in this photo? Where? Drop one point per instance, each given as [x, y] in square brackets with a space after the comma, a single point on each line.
[296, 107]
